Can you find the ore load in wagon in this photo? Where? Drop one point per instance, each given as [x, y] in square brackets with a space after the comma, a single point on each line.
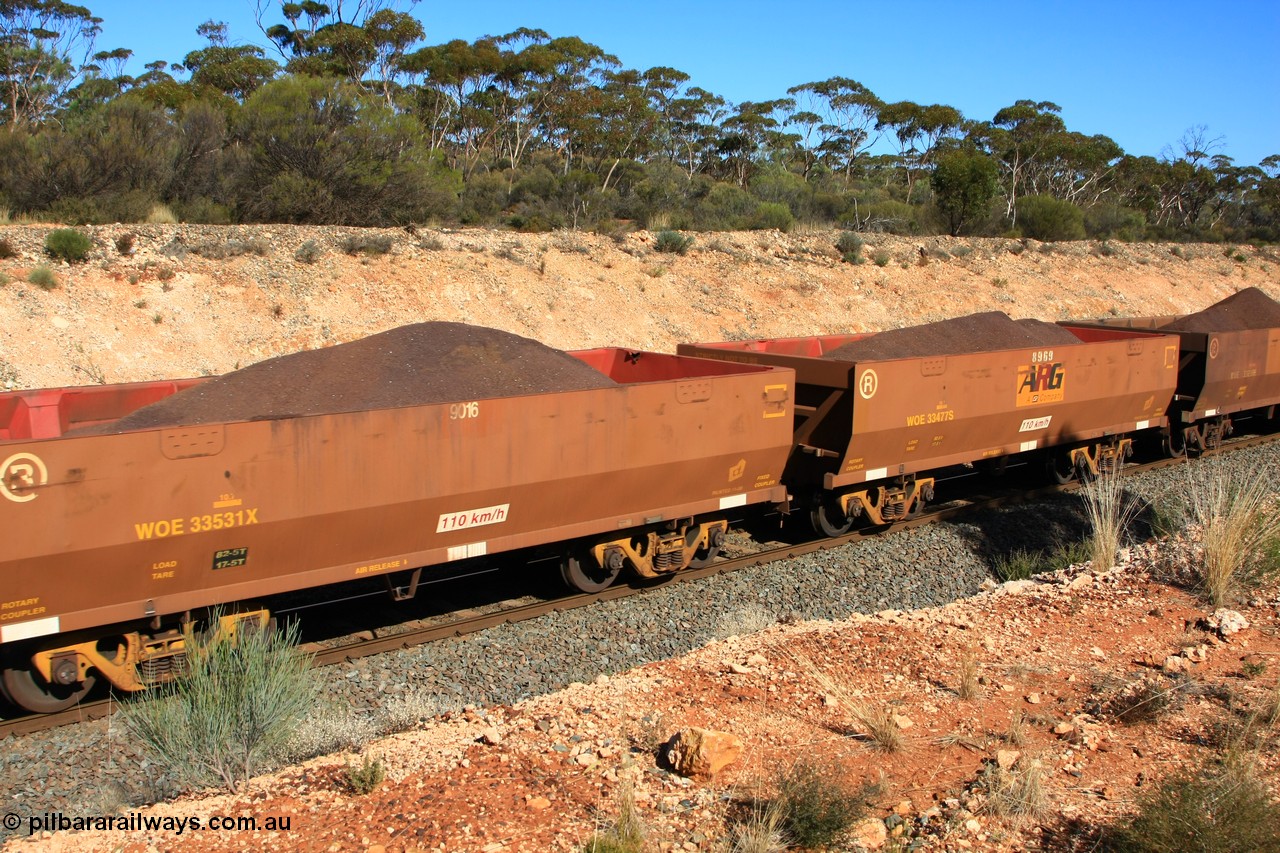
[1248, 309]
[413, 365]
[984, 332]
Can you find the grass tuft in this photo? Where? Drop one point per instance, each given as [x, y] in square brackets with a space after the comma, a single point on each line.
[1016, 792]
[626, 835]
[43, 277]
[1110, 510]
[968, 688]
[237, 701]
[761, 832]
[1238, 524]
[162, 214]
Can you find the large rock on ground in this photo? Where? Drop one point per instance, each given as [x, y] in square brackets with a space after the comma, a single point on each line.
[702, 752]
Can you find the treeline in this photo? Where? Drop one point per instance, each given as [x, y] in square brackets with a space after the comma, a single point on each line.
[354, 120]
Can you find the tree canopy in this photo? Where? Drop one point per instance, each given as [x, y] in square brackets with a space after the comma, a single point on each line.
[349, 114]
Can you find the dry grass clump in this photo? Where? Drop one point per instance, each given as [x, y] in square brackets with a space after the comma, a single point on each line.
[626, 834]
[1110, 510]
[761, 832]
[1238, 524]
[1016, 792]
[968, 689]
[872, 722]
[1143, 700]
[162, 214]
[1016, 734]
[878, 726]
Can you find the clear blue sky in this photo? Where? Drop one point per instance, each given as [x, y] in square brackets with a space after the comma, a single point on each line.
[1141, 72]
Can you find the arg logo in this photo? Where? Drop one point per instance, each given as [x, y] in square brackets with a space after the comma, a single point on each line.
[1041, 383]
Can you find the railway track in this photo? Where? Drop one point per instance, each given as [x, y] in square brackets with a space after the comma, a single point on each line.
[469, 624]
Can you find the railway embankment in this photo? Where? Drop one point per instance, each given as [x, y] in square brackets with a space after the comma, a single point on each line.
[162, 301]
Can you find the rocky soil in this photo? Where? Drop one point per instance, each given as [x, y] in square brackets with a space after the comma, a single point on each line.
[185, 300]
[524, 738]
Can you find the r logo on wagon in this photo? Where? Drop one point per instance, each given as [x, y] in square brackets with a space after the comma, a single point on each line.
[451, 521]
[20, 475]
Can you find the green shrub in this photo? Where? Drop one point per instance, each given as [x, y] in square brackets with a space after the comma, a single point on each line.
[775, 215]
[366, 244]
[816, 804]
[68, 244]
[1046, 218]
[1224, 809]
[1113, 222]
[725, 207]
[43, 277]
[881, 258]
[369, 775]
[672, 242]
[849, 245]
[238, 700]
[308, 253]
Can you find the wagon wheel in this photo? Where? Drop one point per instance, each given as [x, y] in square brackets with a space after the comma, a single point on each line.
[1174, 443]
[829, 520]
[707, 556]
[581, 572]
[914, 509]
[26, 689]
[1062, 468]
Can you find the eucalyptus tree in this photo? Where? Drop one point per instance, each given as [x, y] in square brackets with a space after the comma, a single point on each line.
[751, 134]
[221, 69]
[693, 127]
[46, 47]
[1020, 137]
[917, 130]
[346, 40]
[838, 121]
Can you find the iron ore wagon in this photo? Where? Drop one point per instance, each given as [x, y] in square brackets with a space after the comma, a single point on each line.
[125, 508]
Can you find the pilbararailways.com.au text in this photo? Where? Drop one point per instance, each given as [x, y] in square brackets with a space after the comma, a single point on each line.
[138, 822]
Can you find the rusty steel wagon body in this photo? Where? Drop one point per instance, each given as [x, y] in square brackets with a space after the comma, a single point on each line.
[1221, 374]
[869, 433]
[109, 538]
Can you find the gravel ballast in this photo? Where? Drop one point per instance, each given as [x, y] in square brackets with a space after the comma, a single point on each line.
[91, 768]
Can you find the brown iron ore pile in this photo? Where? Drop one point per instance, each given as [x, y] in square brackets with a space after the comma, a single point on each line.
[1248, 309]
[409, 366]
[989, 330]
